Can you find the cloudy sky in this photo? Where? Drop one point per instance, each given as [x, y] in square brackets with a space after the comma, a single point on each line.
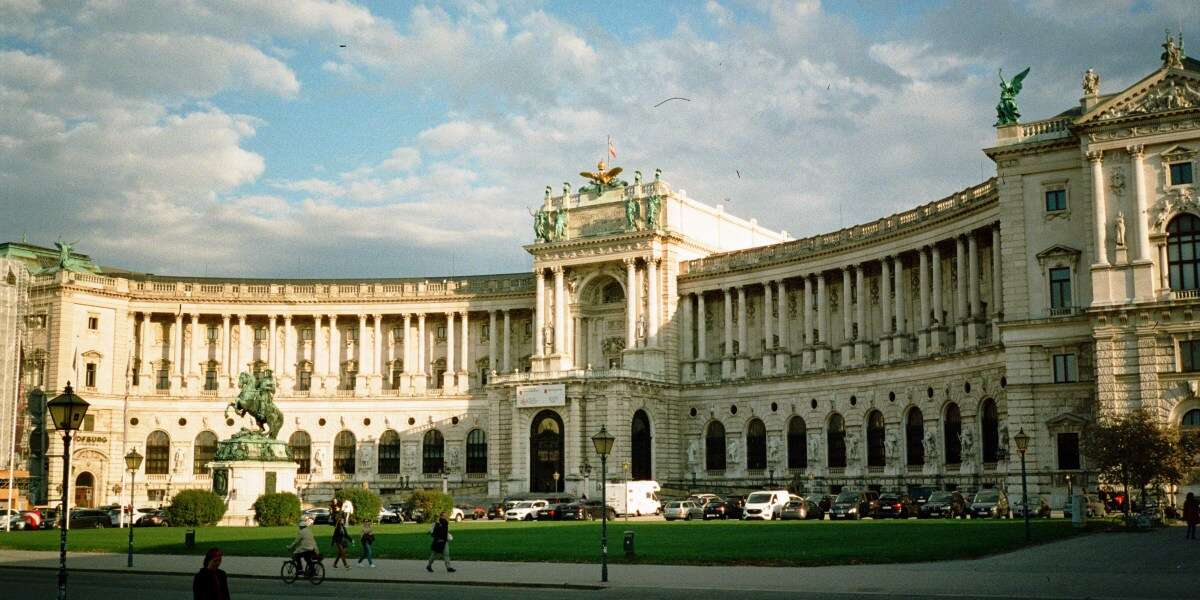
[337, 138]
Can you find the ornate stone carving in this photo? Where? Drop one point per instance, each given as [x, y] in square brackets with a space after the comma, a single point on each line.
[1091, 83]
[1172, 93]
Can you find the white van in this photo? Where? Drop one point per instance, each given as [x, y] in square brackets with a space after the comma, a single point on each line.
[634, 497]
[765, 504]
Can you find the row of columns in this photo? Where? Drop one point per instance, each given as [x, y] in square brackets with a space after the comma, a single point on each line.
[1139, 231]
[895, 335]
[186, 357]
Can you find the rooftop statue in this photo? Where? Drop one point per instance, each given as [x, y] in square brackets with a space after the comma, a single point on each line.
[68, 262]
[1091, 83]
[560, 224]
[604, 178]
[541, 226]
[1172, 54]
[653, 203]
[1006, 110]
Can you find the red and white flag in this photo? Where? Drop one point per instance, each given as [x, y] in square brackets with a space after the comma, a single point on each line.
[612, 149]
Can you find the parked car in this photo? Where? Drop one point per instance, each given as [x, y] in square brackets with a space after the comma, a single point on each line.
[388, 515]
[729, 508]
[320, 516]
[990, 504]
[1040, 508]
[703, 500]
[523, 510]
[766, 505]
[1093, 507]
[49, 518]
[942, 505]
[682, 509]
[585, 510]
[90, 518]
[896, 506]
[854, 504]
[472, 511]
[10, 518]
[496, 511]
[800, 509]
[152, 518]
[552, 512]
[456, 514]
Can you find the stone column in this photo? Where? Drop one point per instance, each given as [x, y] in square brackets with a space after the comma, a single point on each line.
[631, 303]
[936, 341]
[860, 342]
[539, 311]
[743, 354]
[176, 336]
[507, 329]
[146, 371]
[272, 344]
[901, 326]
[335, 352]
[244, 352]
[448, 379]
[727, 359]
[422, 356]
[783, 350]
[847, 318]
[409, 359]
[196, 353]
[960, 296]
[226, 352]
[686, 328]
[809, 342]
[288, 356]
[973, 287]
[997, 284]
[822, 322]
[768, 355]
[560, 315]
[379, 370]
[652, 302]
[465, 347]
[492, 333]
[701, 338]
[885, 310]
[1140, 229]
[1100, 208]
[318, 357]
[923, 282]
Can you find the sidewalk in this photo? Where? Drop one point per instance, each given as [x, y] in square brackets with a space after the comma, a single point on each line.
[1158, 564]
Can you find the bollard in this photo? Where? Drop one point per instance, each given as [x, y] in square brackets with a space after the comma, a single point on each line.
[629, 544]
[189, 539]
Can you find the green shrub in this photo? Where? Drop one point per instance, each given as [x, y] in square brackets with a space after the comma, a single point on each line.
[428, 504]
[366, 504]
[271, 510]
[195, 508]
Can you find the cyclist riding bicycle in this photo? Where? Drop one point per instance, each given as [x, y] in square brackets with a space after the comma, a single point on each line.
[304, 546]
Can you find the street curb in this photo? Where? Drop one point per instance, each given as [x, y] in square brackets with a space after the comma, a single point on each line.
[502, 584]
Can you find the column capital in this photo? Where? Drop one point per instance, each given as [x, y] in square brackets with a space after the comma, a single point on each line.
[242, 319]
[557, 270]
[1095, 156]
[629, 262]
[1135, 150]
[463, 313]
[378, 317]
[768, 283]
[362, 318]
[287, 319]
[272, 316]
[195, 317]
[332, 319]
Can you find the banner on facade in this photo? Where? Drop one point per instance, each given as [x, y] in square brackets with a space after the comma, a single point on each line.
[536, 396]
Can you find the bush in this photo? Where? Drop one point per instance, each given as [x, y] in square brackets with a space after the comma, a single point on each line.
[366, 504]
[195, 508]
[428, 504]
[271, 510]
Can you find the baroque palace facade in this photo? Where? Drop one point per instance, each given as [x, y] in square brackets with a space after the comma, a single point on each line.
[907, 351]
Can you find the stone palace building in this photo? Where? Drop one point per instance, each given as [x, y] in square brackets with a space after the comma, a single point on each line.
[907, 351]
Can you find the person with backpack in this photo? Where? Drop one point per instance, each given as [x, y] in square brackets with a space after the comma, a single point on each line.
[368, 542]
[441, 543]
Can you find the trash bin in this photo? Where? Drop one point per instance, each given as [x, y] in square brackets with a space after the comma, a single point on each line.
[189, 539]
[1078, 511]
[629, 543]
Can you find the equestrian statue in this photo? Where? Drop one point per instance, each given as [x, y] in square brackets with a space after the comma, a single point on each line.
[257, 399]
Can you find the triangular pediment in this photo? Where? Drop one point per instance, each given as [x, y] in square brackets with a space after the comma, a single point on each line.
[1057, 250]
[1165, 91]
[1067, 420]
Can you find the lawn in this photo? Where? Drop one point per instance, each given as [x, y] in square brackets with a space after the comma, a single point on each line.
[779, 543]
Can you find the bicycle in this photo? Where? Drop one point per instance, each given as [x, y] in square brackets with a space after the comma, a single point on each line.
[315, 574]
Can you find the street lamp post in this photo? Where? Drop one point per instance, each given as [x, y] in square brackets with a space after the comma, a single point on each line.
[133, 461]
[603, 442]
[445, 481]
[557, 475]
[1023, 445]
[67, 411]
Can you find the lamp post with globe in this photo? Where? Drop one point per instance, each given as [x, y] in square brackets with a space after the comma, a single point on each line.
[67, 411]
[1023, 445]
[603, 441]
[133, 462]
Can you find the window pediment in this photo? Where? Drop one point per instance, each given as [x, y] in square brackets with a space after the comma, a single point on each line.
[1067, 421]
[1178, 153]
[1058, 254]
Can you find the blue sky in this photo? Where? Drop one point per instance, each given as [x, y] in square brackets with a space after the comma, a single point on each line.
[239, 138]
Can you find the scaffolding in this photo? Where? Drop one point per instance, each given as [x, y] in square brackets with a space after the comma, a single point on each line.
[14, 305]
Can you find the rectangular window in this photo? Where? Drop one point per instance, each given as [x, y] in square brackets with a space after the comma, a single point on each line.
[1189, 354]
[93, 323]
[89, 422]
[89, 376]
[212, 334]
[352, 335]
[1056, 200]
[260, 334]
[485, 332]
[441, 333]
[1068, 451]
[306, 334]
[1060, 288]
[210, 380]
[156, 495]
[397, 334]
[164, 380]
[136, 374]
[305, 381]
[1064, 368]
[1181, 173]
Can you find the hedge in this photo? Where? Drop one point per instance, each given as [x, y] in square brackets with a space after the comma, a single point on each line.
[366, 504]
[271, 510]
[195, 508]
[428, 504]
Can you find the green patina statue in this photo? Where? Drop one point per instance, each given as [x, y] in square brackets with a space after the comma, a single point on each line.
[257, 399]
[541, 226]
[632, 213]
[68, 262]
[1006, 110]
[560, 224]
[653, 205]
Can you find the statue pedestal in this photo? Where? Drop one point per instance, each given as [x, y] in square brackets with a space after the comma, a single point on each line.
[245, 481]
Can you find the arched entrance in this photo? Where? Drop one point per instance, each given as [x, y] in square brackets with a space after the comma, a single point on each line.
[84, 490]
[546, 453]
[601, 322]
[642, 447]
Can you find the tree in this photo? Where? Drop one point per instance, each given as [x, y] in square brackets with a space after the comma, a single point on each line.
[1138, 450]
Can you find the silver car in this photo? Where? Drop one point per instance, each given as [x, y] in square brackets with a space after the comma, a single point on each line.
[685, 509]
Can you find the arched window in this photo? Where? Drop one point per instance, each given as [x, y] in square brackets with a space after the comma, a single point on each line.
[990, 423]
[158, 453]
[836, 442]
[389, 453]
[476, 451]
[952, 430]
[756, 445]
[714, 447]
[876, 454]
[300, 447]
[1191, 419]
[797, 441]
[1183, 252]
[204, 450]
[433, 452]
[344, 446]
[641, 447]
[914, 437]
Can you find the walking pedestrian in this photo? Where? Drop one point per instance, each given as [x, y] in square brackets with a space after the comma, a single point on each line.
[441, 543]
[1191, 514]
[211, 583]
[368, 542]
[334, 509]
[341, 539]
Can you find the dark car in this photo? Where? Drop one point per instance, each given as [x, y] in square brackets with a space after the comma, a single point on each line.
[729, 508]
[921, 495]
[152, 518]
[801, 509]
[826, 503]
[320, 516]
[90, 518]
[552, 512]
[585, 510]
[989, 504]
[1041, 509]
[473, 511]
[896, 506]
[496, 511]
[941, 505]
[854, 504]
[49, 518]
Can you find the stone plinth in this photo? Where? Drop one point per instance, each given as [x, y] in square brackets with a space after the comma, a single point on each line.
[248, 465]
